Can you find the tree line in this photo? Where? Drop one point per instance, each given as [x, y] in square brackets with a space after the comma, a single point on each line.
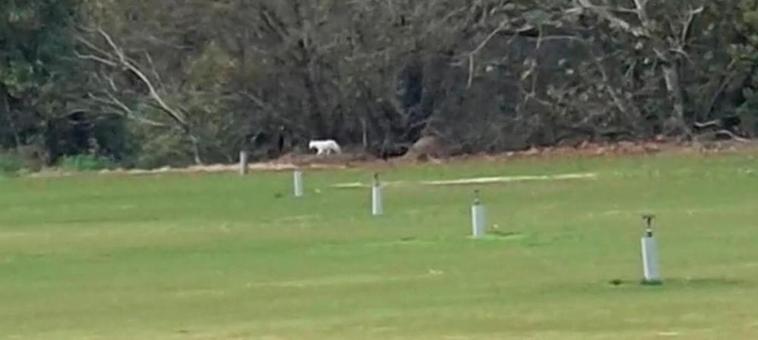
[150, 83]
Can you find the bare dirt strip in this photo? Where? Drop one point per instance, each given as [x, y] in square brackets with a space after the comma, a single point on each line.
[358, 160]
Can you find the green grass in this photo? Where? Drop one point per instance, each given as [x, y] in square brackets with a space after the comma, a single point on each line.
[224, 257]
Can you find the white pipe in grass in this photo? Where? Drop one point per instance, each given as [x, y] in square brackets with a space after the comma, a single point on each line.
[243, 163]
[478, 218]
[298, 183]
[377, 206]
[650, 265]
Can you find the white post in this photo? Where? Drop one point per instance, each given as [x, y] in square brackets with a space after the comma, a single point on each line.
[377, 208]
[650, 265]
[298, 183]
[478, 218]
[243, 163]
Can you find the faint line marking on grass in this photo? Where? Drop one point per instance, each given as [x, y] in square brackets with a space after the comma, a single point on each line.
[12, 235]
[191, 293]
[669, 334]
[477, 180]
[345, 280]
[297, 218]
[402, 242]
[671, 211]
[509, 179]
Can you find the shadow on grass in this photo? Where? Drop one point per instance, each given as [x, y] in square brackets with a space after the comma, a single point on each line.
[684, 283]
[504, 235]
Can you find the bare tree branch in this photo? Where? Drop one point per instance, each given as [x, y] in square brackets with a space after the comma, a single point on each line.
[115, 57]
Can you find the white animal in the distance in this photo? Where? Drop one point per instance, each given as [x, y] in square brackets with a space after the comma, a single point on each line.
[328, 146]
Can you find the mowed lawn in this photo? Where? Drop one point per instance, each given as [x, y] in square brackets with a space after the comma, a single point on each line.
[224, 257]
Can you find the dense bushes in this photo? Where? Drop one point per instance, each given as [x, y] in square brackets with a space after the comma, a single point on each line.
[10, 164]
[197, 81]
[85, 163]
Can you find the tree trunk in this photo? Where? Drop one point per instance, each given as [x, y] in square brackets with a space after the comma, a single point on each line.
[673, 85]
[11, 122]
[314, 108]
[195, 149]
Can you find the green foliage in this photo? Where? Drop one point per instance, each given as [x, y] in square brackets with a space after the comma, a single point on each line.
[37, 43]
[746, 53]
[22, 159]
[749, 10]
[85, 163]
[41, 83]
[159, 148]
[10, 164]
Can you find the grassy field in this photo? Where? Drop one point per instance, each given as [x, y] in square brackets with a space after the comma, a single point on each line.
[224, 257]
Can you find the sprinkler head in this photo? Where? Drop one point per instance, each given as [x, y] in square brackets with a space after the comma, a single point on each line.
[649, 220]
